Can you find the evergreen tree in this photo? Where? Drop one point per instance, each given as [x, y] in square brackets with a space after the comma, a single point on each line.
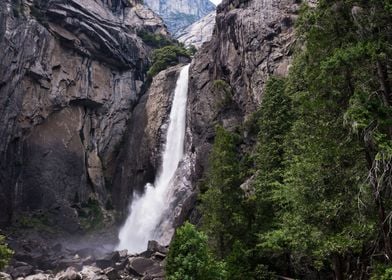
[190, 258]
[222, 202]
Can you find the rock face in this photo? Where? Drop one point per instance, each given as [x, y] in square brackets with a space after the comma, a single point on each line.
[179, 14]
[252, 40]
[199, 32]
[70, 75]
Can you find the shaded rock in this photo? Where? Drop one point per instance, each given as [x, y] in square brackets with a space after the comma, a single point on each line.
[123, 253]
[68, 85]
[69, 274]
[111, 273]
[39, 276]
[154, 246]
[86, 252]
[103, 263]
[159, 256]
[21, 271]
[92, 273]
[140, 266]
[65, 263]
[5, 276]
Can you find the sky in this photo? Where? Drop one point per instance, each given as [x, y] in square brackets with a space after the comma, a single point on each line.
[216, 2]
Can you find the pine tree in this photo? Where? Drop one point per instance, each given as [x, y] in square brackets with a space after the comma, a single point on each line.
[222, 202]
[190, 258]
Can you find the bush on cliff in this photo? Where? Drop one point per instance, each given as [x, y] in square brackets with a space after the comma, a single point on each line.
[154, 40]
[165, 57]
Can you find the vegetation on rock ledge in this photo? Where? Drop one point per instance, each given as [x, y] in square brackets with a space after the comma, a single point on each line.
[165, 57]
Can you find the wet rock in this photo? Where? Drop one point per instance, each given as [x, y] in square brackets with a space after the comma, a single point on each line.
[39, 276]
[154, 246]
[86, 252]
[88, 260]
[22, 271]
[5, 276]
[123, 253]
[103, 263]
[65, 263]
[111, 273]
[69, 274]
[159, 256]
[140, 266]
[92, 273]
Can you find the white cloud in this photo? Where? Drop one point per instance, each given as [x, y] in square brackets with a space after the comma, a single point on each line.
[216, 2]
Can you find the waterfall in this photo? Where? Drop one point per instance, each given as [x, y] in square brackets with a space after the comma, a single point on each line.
[146, 210]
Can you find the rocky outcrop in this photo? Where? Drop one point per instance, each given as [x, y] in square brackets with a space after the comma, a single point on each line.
[199, 32]
[71, 73]
[39, 260]
[178, 14]
[252, 40]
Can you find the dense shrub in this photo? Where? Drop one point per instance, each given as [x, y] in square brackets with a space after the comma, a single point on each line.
[5, 253]
[165, 57]
[189, 257]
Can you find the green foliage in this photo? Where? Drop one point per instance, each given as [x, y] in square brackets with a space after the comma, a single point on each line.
[221, 204]
[154, 40]
[165, 57]
[224, 93]
[37, 221]
[381, 272]
[5, 253]
[91, 215]
[323, 158]
[189, 257]
[192, 50]
[274, 124]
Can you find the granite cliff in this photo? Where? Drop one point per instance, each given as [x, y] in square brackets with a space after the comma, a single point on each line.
[199, 32]
[179, 14]
[70, 75]
[252, 40]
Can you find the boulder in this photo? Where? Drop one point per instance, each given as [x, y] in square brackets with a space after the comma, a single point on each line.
[40, 276]
[22, 271]
[5, 276]
[140, 266]
[111, 273]
[103, 263]
[69, 274]
[154, 246]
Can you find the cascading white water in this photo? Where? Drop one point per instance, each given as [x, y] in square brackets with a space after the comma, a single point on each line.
[146, 210]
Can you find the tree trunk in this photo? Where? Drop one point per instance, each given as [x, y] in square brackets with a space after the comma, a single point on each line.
[384, 82]
[382, 217]
[337, 267]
